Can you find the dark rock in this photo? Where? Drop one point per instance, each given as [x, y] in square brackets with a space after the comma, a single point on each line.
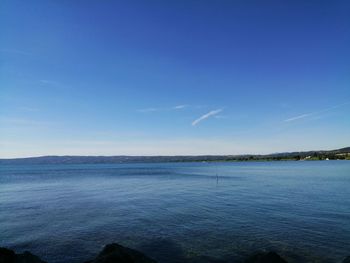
[8, 256]
[164, 250]
[206, 259]
[270, 257]
[115, 253]
[346, 260]
[28, 257]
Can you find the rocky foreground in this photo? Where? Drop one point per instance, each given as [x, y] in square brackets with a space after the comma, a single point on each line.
[115, 253]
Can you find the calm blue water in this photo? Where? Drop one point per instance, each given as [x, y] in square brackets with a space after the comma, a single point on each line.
[178, 212]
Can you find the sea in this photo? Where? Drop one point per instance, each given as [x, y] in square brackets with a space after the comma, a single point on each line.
[178, 212]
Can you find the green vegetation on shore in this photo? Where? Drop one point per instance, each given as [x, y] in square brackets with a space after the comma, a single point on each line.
[340, 154]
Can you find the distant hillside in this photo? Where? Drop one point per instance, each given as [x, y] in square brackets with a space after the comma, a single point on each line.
[343, 153]
[343, 150]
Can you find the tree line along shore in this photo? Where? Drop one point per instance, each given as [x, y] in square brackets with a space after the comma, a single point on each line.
[339, 154]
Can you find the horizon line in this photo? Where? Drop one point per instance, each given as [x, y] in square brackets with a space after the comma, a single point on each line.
[176, 155]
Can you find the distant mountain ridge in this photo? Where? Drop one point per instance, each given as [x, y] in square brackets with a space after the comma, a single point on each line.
[343, 153]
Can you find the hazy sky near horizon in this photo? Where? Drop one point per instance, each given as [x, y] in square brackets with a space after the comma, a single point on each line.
[173, 77]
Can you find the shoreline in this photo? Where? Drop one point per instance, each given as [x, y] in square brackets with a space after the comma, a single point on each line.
[338, 154]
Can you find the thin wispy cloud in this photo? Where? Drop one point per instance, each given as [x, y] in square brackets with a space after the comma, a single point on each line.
[179, 107]
[310, 114]
[206, 116]
[298, 117]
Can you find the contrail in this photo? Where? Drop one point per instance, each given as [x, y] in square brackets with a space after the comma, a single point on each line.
[299, 117]
[206, 116]
[315, 112]
[179, 107]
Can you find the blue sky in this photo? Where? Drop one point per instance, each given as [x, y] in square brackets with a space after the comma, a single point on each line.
[173, 77]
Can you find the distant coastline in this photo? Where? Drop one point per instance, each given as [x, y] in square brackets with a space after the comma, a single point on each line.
[338, 154]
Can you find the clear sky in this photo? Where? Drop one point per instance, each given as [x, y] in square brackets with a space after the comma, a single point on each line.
[168, 77]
